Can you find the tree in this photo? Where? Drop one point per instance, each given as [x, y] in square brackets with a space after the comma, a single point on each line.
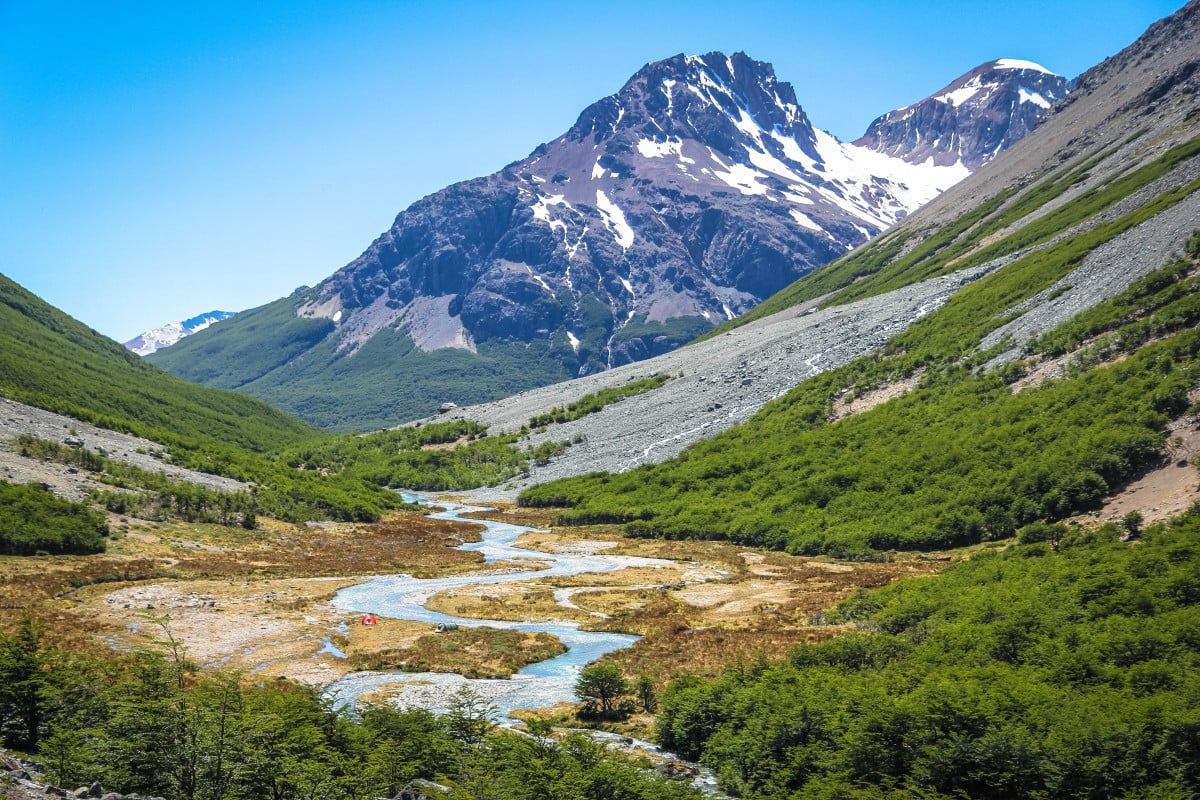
[22, 681]
[602, 683]
[646, 694]
[469, 716]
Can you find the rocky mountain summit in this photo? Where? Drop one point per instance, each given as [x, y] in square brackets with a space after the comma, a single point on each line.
[155, 340]
[973, 119]
[687, 197]
[681, 201]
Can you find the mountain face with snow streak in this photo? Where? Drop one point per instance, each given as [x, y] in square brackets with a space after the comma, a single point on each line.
[686, 198]
[692, 194]
[172, 332]
[973, 119]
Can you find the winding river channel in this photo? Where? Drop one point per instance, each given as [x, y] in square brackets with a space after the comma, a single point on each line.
[535, 686]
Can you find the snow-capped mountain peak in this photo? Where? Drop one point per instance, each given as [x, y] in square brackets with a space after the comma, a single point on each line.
[971, 120]
[690, 195]
[172, 332]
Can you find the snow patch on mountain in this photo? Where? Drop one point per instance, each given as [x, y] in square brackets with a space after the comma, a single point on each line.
[1033, 97]
[614, 220]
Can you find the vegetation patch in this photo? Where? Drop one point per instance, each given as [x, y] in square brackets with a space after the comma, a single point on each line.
[402, 458]
[516, 602]
[33, 521]
[476, 652]
[591, 403]
[49, 360]
[150, 724]
[662, 336]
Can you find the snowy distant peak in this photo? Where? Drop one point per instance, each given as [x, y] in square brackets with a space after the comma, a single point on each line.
[983, 83]
[973, 118]
[172, 332]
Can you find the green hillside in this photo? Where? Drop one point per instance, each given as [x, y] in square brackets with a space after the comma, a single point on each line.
[291, 363]
[49, 360]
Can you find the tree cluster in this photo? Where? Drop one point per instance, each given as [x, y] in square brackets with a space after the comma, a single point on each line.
[146, 723]
[33, 520]
[591, 403]
[409, 458]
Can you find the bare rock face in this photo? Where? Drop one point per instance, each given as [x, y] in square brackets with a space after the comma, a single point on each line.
[973, 119]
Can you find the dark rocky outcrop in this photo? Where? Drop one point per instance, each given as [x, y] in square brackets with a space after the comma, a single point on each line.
[21, 780]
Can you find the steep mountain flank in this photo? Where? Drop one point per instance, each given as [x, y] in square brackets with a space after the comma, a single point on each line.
[1103, 192]
[680, 202]
[51, 361]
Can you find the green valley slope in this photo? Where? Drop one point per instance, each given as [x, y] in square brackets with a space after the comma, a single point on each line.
[49, 360]
[291, 362]
[53, 362]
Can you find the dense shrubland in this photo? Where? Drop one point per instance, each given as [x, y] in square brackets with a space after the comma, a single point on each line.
[1039, 671]
[411, 458]
[336, 477]
[33, 520]
[276, 490]
[49, 360]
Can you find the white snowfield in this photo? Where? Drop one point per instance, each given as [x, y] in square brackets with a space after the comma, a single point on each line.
[1016, 63]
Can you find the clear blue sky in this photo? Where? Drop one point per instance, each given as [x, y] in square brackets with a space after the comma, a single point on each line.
[163, 158]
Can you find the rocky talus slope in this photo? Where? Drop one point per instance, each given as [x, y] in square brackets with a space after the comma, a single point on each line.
[18, 419]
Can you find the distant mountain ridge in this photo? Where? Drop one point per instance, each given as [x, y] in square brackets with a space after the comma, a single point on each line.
[172, 332]
[683, 200]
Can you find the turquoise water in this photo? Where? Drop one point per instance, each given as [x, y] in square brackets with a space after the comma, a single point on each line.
[538, 685]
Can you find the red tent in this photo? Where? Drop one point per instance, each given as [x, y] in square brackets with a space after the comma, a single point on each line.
[368, 619]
